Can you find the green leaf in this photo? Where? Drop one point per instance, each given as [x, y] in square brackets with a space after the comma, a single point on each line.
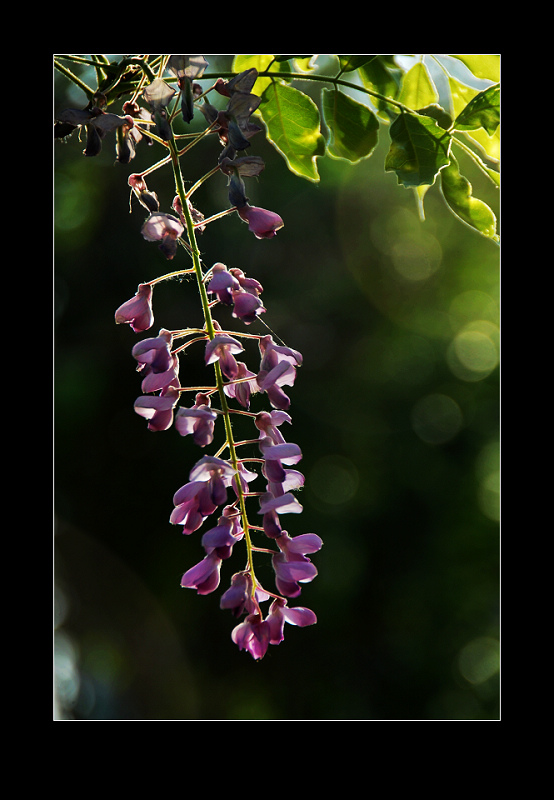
[378, 76]
[287, 57]
[490, 171]
[460, 94]
[350, 63]
[419, 149]
[418, 89]
[261, 63]
[488, 145]
[485, 65]
[457, 192]
[293, 127]
[353, 127]
[483, 111]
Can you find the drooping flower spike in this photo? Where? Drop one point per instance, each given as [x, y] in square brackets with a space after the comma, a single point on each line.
[237, 498]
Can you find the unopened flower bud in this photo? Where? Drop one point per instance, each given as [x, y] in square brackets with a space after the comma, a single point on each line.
[263, 224]
[137, 311]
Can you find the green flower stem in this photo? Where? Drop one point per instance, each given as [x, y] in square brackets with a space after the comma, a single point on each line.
[297, 76]
[195, 254]
[77, 81]
[169, 275]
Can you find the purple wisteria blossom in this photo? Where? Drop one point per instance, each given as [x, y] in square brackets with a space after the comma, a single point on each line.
[263, 224]
[197, 421]
[292, 566]
[279, 613]
[271, 507]
[137, 311]
[127, 143]
[223, 348]
[233, 288]
[268, 424]
[206, 490]
[277, 457]
[193, 504]
[243, 386]
[239, 597]
[252, 635]
[246, 306]
[156, 363]
[222, 283]
[223, 537]
[165, 229]
[250, 285]
[204, 576]
[277, 368]
[158, 409]
[255, 634]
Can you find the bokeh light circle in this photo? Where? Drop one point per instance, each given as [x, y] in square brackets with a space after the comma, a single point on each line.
[436, 418]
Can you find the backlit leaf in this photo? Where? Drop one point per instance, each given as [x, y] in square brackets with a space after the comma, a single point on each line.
[483, 65]
[457, 192]
[293, 127]
[353, 126]
[419, 149]
[483, 111]
[418, 89]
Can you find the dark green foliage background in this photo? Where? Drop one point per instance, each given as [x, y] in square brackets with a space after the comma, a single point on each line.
[408, 575]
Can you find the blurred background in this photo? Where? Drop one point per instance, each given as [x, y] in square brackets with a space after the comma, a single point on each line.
[396, 410]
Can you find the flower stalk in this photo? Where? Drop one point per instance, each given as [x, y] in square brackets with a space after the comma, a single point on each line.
[195, 254]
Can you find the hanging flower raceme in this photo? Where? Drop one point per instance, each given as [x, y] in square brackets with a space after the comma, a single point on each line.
[220, 491]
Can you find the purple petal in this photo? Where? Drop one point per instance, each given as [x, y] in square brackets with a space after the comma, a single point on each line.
[285, 504]
[137, 311]
[204, 577]
[299, 616]
[208, 466]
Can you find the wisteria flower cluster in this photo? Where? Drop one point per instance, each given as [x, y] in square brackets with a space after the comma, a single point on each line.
[224, 491]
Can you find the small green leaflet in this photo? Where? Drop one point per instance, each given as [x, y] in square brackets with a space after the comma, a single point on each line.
[353, 126]
[419, 150]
